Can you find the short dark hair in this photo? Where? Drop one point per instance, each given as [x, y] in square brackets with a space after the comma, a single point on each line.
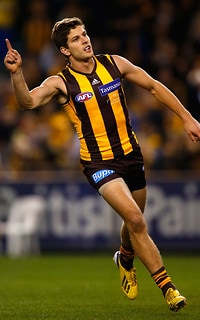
[62, 29]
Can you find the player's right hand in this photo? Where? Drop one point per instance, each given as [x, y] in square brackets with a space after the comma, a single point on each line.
[12, 59]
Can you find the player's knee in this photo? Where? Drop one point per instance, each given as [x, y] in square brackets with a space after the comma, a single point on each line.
[136, 224]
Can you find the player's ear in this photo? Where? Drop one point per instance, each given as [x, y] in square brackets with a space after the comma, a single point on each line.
[64, 51]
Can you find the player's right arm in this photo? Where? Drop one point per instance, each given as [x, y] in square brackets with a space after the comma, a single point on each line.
[40, 95]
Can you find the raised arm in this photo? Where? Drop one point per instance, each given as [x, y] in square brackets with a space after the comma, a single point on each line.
[26, 99]
[138, 76]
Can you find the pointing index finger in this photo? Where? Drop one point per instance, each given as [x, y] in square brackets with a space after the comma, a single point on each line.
[8, 44]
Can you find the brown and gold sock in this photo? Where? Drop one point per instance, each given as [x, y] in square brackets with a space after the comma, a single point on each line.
[163, 280]
[126, 257]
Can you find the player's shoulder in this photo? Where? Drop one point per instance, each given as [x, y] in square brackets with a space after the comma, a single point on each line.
[106, 58]
[119, 59]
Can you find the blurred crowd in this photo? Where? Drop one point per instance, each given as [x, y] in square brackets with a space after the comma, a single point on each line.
[161, 36]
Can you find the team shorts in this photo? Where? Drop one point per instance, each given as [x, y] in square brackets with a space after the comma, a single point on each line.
[128, 167]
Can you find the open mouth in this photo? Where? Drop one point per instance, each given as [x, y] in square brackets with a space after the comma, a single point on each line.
[86, 49]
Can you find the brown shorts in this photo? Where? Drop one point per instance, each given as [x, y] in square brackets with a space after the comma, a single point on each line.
[129, 167]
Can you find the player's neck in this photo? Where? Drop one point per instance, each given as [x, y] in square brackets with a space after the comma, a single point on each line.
[83, 66]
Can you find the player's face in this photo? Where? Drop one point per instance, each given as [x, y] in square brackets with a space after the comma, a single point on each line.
[79, 45]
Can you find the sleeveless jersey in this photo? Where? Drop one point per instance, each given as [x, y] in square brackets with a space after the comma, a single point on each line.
[97, 108]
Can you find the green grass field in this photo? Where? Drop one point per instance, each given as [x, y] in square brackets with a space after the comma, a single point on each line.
[86, 287]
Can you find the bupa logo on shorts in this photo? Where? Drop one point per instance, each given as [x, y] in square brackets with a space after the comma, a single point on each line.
[83, 96]
[99, 175]
[109, 87]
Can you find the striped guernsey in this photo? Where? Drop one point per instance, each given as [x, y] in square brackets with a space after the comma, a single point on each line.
[97, 108]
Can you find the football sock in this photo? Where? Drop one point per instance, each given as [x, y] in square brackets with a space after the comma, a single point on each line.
[163, 280]
[126, 257]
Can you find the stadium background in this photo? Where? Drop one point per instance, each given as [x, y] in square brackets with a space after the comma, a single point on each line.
[39, 151]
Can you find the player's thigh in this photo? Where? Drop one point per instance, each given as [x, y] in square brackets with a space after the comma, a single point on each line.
[117, 194]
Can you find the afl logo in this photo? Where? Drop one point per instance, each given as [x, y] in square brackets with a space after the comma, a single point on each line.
[84, 96]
